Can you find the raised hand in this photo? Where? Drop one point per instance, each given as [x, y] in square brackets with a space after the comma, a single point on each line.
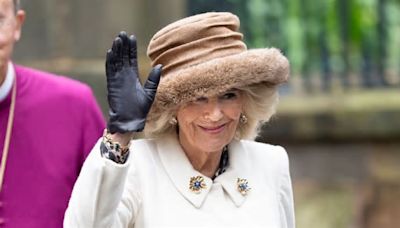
[128, 101]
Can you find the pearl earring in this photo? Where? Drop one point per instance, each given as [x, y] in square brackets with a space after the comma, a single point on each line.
[243, 118]
[173, 121]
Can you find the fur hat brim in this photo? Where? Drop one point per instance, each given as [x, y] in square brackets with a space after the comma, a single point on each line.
[221, 74]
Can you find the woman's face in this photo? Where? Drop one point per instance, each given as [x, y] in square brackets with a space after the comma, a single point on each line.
[209, 123]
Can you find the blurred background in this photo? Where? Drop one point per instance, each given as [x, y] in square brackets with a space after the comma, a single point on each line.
[339, 116]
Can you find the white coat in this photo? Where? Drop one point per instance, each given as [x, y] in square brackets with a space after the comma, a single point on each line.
[152, 189]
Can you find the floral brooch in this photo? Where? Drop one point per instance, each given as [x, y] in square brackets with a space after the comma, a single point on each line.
[243, 186]
[197, 184]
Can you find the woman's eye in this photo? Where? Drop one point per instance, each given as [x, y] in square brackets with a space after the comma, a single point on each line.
[201, 99]
[229, 96]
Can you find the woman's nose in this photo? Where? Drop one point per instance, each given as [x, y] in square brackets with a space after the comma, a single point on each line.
[213, 111]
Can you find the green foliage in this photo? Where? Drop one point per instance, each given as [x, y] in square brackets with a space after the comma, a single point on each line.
[301, 28]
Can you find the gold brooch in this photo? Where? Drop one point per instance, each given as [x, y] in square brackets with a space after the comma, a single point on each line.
[243, 186]
[197, 184]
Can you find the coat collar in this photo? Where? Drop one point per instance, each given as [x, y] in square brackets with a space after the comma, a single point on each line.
[180, 170]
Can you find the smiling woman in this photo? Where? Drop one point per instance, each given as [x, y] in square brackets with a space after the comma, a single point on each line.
[208, 119]
[195, 168]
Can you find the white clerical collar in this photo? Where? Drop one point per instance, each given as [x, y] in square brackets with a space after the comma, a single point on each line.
[5, 88]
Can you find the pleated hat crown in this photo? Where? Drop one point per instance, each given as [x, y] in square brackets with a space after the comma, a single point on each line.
[204, 55]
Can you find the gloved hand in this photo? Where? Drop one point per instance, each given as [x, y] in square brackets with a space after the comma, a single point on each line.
[129, 102]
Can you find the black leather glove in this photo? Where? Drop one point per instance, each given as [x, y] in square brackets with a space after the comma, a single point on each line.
[129, 102]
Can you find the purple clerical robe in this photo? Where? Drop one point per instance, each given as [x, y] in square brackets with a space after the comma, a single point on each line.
[56, 123]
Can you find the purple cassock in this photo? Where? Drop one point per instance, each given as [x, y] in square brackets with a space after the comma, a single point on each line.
[56, 123]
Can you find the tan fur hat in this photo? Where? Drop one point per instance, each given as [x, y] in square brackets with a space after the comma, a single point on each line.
[204, 55]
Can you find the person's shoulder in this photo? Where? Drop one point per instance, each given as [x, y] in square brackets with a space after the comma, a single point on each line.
[144, 144]
[264, 149]
[261, 152]
[141, 142]
[143, 150]
[52, 83]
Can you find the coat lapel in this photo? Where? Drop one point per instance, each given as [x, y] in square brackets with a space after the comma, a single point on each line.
[238, 168]
[180, 171]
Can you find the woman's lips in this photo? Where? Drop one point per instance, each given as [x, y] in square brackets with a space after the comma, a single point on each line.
[213, 129]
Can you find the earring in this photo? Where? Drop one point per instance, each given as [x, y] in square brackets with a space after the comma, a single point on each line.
[173, 121]
[243, 118]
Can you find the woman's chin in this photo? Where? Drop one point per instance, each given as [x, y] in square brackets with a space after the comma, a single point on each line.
[211, 146]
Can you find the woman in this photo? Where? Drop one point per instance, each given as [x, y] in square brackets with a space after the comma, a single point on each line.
[194, 169]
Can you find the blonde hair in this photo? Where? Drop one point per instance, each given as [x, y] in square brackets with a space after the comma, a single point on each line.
[260, 101]
[158, 123]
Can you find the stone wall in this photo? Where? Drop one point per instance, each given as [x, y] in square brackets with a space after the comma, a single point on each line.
[85, 29]
[71, 37]
[344, 151]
